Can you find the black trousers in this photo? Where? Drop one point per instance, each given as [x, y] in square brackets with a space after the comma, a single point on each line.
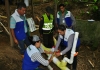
[74, 64]
[48, 40]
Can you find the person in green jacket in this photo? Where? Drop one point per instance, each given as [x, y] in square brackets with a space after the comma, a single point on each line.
[46, 28]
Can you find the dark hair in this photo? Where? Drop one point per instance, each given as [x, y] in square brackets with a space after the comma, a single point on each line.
[32, 42]
[20, 5]
[35, 42]
[62, 27]
[61, 5]
[49, 10]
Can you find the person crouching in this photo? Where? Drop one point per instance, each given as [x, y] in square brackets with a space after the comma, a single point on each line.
[32, 57]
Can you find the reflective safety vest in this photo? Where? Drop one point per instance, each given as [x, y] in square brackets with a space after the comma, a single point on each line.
[48, 24]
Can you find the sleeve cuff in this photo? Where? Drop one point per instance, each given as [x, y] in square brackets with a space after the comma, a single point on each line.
[60, 53]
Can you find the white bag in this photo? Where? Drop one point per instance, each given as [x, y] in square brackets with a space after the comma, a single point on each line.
[31, 24]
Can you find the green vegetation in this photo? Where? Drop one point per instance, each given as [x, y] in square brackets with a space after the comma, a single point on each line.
[89, 33]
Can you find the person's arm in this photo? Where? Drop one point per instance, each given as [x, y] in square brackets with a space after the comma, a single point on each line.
[41, 25]
[58, 43]
[73, 20]
[12, 26]
[70, 44]
[37, 57]
[13, 35]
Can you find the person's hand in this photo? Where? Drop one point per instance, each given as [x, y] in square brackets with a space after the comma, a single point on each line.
[76, 53]
[16, 41]
[38, 18]
[57, 54]
[51, 57]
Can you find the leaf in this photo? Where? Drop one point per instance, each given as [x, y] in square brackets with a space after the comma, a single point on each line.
[95, 1]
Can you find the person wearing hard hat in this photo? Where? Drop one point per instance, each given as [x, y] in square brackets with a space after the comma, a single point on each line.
[32, 57]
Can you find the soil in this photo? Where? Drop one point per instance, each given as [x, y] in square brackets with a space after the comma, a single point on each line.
[10, 58]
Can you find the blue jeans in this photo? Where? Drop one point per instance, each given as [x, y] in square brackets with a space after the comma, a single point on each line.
[22, 44]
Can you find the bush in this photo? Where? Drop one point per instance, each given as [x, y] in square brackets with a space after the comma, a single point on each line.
[89, 33]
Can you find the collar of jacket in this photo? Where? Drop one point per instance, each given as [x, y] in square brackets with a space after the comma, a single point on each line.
[61, 12]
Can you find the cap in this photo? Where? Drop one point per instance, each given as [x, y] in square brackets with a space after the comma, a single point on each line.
[35, 38]
[48, 9]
